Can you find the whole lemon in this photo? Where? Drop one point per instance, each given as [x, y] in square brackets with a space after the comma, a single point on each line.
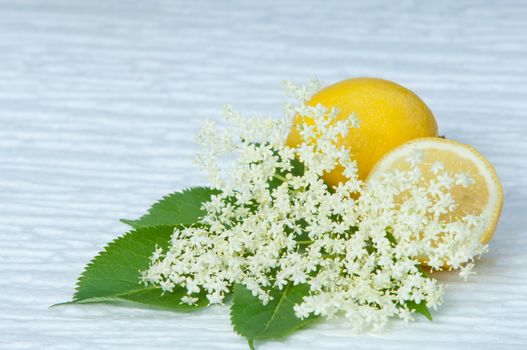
[388, 113]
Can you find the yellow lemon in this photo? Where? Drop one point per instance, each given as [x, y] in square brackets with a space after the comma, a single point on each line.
[483, 196]
[388, 114]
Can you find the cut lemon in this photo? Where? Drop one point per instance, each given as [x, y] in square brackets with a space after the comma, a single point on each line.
[483, 197]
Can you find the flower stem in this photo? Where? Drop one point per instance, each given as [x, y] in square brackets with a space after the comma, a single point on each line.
[304, 242]
[298, 190]
[280, 177]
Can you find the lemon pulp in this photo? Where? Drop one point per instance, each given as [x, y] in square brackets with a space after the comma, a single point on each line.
[483, 197]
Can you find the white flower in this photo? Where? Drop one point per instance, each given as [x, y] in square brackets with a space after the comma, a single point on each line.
[466, 271]
[189, 300]
[464, 179]
[301, 311]
[416, 157]
[437, 167]
[277, 224]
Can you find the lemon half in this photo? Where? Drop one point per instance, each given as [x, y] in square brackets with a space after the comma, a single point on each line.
[484, 196]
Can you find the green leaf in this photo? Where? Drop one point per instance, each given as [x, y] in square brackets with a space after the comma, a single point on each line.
[253, 320]
[114, 274]
[422, 271]
[298, 167]
[420, 308]
[390, 237]
[178, 208]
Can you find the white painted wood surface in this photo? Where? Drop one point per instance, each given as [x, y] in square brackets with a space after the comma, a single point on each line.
[99, 101]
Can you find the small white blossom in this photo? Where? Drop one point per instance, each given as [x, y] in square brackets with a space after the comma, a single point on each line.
[466, 271]
[189, 300]
[464, 179]
[354, 120]
[437, 167]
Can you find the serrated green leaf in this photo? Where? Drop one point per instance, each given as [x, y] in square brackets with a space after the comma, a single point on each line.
[253, 320]
[114, 274]
[178, 208]
[420, 308]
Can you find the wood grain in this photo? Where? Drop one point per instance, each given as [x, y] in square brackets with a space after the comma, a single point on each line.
[99, 102]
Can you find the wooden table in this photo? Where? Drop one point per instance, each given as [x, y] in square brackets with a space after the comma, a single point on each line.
[99, 101]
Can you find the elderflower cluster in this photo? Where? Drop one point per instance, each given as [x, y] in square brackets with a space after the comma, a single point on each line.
[276, 224]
